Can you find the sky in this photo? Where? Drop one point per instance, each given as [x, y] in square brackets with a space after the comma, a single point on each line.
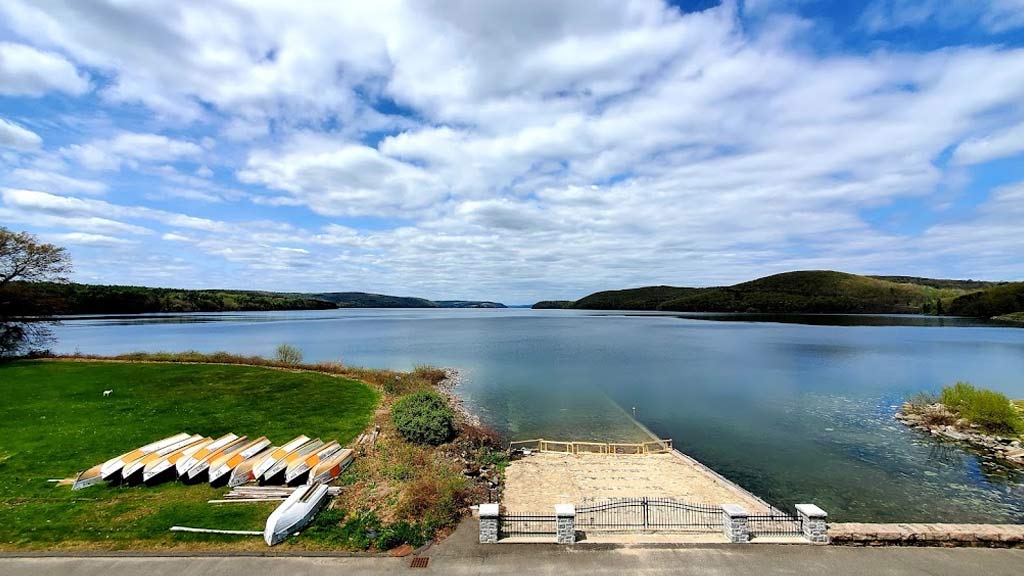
[513, 151]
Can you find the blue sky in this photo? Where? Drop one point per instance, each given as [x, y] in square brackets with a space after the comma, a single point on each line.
[513, 151]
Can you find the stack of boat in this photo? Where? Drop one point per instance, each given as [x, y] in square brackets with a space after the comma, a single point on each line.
[230, 460]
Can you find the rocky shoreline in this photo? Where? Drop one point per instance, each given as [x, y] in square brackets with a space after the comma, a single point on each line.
[938, 421]
[446, 387]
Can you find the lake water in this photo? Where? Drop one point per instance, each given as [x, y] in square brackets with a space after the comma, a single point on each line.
[795, 412]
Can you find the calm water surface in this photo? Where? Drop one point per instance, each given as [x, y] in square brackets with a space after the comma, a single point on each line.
[792, 411]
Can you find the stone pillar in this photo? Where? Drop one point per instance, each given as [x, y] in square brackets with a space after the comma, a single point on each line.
[736, 523]
[566, 515]
[489, 518]
[813, 520]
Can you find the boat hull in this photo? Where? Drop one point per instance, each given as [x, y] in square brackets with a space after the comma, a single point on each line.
[294, 513]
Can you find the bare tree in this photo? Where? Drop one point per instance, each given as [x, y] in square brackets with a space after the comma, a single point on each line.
[23, 258]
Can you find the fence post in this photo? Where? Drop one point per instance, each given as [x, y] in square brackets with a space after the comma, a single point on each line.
[813, 522]
[566, 518]
[489, 518]
[736, 523]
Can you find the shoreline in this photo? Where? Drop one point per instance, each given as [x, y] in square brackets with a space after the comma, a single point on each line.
[446, 387]
[1005, 449]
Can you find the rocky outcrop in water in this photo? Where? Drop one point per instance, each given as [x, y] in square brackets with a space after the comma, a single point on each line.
[940, 422]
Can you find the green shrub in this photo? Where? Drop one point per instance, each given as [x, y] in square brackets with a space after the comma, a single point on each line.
[424, 418]
[288, 354]
[400, 533]
[986, 408]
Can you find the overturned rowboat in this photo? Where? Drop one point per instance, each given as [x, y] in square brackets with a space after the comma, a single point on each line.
[133, 473]
[298, 469]
[164, 468]
[294, 513]
[88, 478]
[196, 473]
[276, 472]
[277, 454]
[244, 472]
[183, 465]
[110, 469]
[332, 467]
[221, 467]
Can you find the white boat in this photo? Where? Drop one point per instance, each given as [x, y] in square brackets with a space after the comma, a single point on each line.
[297, 469]
[164, 468]
[221, 467]
[196, 472]
[279, 453]
[279, 467]
[132, 473]
[88, 478]
[110, 468]
[243, 473]
[330, 468]
[294, 513]
[182, 466]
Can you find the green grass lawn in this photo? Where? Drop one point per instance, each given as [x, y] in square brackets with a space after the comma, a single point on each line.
[54, 422]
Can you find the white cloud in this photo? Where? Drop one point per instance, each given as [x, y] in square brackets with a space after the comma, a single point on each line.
[26, 71]
[339, 178]
[85, 239]
[32, 201]
[131, 148]
[54, 181]
[999, 144]
[14, 136]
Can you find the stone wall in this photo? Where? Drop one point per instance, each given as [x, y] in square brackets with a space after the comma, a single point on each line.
[950, 535]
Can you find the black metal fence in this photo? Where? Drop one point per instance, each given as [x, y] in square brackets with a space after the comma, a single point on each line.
[648, 514]
[774, 524]
[527, 525]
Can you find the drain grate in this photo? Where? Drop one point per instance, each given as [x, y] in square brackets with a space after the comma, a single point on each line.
[419, 562]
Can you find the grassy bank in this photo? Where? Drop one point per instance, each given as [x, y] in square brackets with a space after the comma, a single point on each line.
[54, 421]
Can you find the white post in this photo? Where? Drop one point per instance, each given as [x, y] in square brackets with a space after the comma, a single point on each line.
[736, 523]
[489, 518]
[566, 517]
[814, 523]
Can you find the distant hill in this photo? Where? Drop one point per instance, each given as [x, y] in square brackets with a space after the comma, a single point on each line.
[48, 298]
[817, 291]
[553, 304]
[367, 300]
[468, 304]
[1005, 299]
[648, 298]
[32, 299]
[941, 282]
[812, 291]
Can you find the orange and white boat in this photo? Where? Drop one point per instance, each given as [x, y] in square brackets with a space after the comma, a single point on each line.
[279, 453]
[297, 470]
[245, 472]
[110, 469]
[221, 467]
[196, 472]
[163, 469]
[132, 473]
[183, 465]
[331, 467]
[277, 471]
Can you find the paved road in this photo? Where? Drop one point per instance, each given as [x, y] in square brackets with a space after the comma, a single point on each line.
[522, 560]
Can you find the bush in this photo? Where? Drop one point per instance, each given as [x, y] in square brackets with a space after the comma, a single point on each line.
[288, 354]
[424, 418]
[986, 408]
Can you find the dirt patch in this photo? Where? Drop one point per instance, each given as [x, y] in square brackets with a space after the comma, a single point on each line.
[535, 483]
